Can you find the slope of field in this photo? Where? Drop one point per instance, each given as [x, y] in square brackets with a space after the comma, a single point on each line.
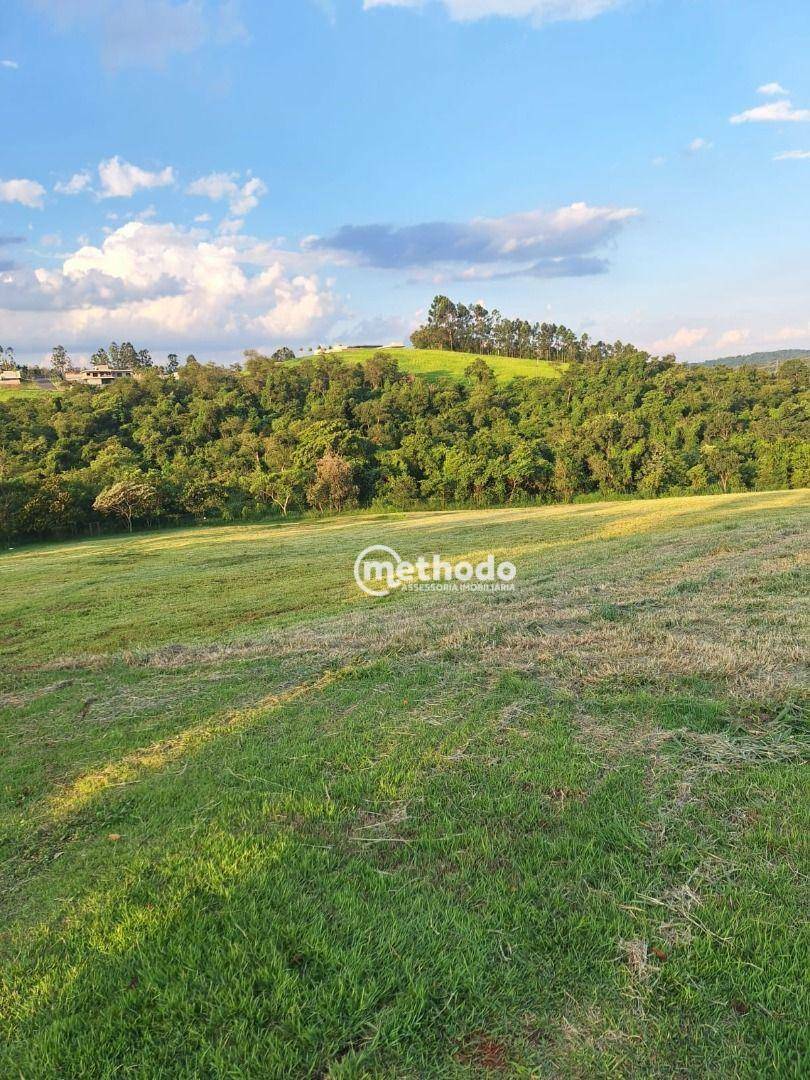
[257, 824]
[433, 363]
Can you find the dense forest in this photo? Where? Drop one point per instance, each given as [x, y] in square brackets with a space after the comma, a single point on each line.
[280, 437]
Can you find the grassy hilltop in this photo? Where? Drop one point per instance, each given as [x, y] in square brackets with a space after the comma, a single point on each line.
[433, 363]
[256, 824]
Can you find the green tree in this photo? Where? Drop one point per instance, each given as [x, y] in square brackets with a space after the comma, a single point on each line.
[724, 466]
[130, 500]
[332, 488]
[60, 361]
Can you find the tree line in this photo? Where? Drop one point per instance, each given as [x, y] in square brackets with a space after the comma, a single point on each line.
[321, 434]
[473, 329]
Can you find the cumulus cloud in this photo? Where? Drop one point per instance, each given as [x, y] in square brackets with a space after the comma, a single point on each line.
[78, 183]
[732, 337]
[26, 192]
[168, 286]
[147, 33]
[775, 112]
[685, 338]
[536, 11]
[241, 197]
[248, 197]
[55, 291]
[11, 64]
[120, 180]
[794, 333]
[793, 155]
[772, 89]
[214, 186]
[536, 243]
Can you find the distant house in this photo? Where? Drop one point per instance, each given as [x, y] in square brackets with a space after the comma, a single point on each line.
[12, 377]
[98, 376]
[390, 345]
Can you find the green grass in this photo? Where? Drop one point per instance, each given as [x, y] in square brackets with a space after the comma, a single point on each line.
[12, 391]
[257, 824]
[434, 363]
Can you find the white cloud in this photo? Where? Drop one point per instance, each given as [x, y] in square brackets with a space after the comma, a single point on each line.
[51, 240]
[12, 64]
[696, 145]
[241, 198]
[27, 192]
[776, 112]
[120, 179]
[793, 155]
[167, 286]
[299, 306]
[147, 33]
[214, 186]
[536, 11]
[772, 89]
[732, 337]
[78, 183]
[794, 333]
[685, 338]
[248, 197]
[230, 226]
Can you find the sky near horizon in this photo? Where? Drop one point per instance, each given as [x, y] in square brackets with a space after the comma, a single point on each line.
[213, 175]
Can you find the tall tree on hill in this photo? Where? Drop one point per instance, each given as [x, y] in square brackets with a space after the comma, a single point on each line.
[474, 329]
[122, 357]
[60, 361]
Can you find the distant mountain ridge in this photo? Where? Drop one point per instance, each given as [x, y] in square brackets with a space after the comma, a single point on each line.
[759, 359]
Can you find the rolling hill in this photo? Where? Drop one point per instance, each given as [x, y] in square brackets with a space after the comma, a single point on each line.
[255, 823]
[759, 359]
[434, 363]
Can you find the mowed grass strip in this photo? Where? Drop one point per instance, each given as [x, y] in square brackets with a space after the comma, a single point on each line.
[256, 824]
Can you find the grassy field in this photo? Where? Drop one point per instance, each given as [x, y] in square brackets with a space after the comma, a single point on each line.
[433, 363]
[7, 392]
[257, 824]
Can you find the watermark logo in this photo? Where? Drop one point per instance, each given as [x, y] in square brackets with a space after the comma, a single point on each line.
[379, 570]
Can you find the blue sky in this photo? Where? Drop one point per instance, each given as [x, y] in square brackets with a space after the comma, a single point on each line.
[214, 175]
